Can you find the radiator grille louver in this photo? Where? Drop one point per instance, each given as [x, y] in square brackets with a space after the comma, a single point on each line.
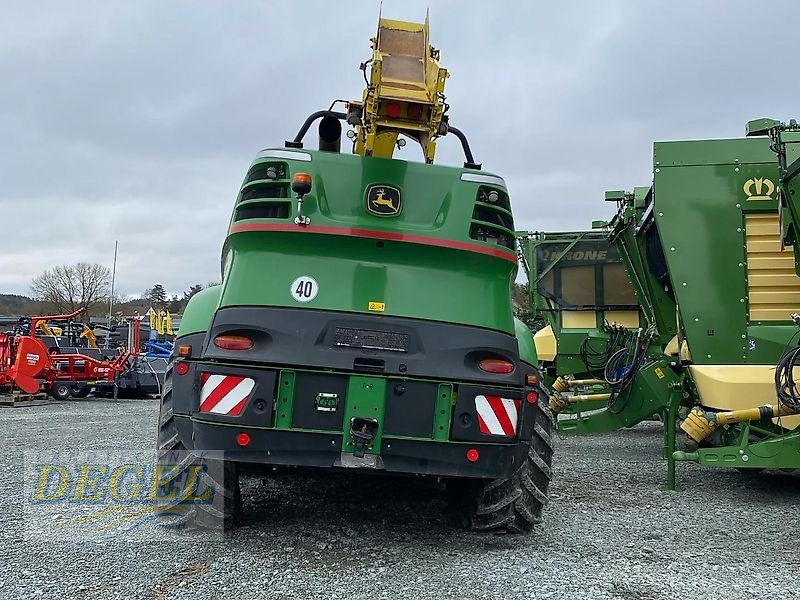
[263, 210]
[492, 221]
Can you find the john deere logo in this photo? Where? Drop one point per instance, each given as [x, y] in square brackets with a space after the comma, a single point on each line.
[759, 188]
[383, 200]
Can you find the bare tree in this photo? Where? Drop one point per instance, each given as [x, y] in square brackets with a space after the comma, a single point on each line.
[67, 288]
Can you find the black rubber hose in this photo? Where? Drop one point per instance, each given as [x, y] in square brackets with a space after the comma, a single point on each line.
[464, 146]
[785, 385]
[298, 139]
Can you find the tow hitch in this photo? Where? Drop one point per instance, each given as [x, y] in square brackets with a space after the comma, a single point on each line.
[362, 432]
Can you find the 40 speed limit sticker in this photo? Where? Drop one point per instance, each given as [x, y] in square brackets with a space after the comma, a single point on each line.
[304, 288]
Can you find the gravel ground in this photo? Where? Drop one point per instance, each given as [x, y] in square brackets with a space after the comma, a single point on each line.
[611, 530]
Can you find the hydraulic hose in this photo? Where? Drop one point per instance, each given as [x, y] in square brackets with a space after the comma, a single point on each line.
[785, 385]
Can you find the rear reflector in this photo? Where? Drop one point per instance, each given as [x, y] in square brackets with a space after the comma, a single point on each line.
[496, 415]
[224, 394]
[472, 455]
[496, 365]
[243, 439]
[532, 397]
[181, 368]
[233, 342]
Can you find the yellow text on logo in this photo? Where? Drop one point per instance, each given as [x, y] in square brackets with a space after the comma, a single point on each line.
[659, 372]
[758, 188]
[376, 306]
[125, 483]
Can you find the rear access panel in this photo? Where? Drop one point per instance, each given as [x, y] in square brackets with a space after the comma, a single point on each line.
[410, 408]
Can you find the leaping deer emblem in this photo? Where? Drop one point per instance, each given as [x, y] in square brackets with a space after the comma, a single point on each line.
[382, 200]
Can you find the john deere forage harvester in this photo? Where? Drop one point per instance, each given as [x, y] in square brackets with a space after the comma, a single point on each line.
[364, 319]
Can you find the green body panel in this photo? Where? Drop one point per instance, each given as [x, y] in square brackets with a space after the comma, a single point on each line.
[200, 311]
[421, 263]
[409, 280]
[527, 349]
[700, 207]
[629, 231]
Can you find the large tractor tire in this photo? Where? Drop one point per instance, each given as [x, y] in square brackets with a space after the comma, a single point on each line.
[222, 476]
[515, 504]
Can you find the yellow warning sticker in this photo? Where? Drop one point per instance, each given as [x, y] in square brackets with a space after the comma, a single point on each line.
[659, 372]
[376, 306]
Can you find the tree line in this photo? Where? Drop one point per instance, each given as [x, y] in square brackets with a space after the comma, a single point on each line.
[66, 288]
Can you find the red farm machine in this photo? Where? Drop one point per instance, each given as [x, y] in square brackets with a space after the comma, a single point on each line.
[31, 363]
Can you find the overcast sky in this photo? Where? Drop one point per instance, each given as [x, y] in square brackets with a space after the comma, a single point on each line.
[137, 120]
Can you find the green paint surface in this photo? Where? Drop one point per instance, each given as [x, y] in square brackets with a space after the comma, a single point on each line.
[445, 399]
[366, 398]
[284, 400]
[415, 276]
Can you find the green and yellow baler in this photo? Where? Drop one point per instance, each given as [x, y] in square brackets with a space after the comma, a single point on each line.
[579, 288]
[704, 249]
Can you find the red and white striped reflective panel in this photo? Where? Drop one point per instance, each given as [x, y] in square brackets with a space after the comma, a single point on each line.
[224, 394]
[496, 415]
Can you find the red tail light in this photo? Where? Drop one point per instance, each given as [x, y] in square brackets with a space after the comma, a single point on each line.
[393, 109]
[414, 111]
[496, 365]
[233, 342]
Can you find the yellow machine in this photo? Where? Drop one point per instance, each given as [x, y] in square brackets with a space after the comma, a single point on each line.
[160, 322]
[405, 92]
[47, 330]
[89, 336]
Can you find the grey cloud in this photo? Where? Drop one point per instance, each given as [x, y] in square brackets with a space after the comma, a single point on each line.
[138, 120]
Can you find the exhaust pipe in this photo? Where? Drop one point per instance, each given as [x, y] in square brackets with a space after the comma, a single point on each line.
[330, 134]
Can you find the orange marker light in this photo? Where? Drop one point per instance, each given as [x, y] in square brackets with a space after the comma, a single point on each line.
[301, 183]
[184, 350]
